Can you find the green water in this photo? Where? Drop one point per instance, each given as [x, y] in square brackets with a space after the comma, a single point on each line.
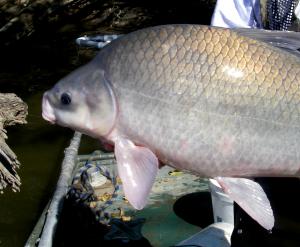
[39, 147]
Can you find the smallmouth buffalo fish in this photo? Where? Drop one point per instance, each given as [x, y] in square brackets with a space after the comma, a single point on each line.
[219, 103]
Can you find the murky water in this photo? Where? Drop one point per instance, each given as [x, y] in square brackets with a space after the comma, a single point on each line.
[39, 147]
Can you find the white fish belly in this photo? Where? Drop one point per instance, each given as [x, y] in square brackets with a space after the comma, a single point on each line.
[209, 143]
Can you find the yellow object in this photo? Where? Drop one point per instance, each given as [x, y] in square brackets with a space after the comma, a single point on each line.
[175, 173]
[105, 197]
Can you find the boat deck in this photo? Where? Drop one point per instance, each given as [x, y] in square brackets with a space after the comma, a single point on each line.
[178, 206]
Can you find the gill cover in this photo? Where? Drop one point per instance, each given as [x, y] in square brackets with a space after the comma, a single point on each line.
[102, 103]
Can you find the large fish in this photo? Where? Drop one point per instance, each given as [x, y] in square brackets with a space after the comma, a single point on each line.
[208, 100]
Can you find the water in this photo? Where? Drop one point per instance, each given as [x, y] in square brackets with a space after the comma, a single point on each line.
[39, 147]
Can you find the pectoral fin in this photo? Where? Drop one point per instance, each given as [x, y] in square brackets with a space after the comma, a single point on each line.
[251, 197]
[137, 168]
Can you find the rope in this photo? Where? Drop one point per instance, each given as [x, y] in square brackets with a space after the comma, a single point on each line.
[85, 193]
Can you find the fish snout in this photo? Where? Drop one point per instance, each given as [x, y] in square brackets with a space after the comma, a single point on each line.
[47, 110]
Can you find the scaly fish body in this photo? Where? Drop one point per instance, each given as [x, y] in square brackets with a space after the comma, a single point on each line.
[208, 100]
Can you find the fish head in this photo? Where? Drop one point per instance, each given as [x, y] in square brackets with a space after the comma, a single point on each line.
[83, 101]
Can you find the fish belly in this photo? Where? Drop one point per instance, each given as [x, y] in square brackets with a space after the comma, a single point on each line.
[210, 144]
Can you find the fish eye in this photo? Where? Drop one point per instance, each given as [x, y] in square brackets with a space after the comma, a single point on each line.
[65, 98]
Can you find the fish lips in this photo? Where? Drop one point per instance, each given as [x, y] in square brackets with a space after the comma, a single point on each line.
[47, 110]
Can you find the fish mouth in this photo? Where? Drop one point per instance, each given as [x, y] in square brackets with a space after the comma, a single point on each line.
[47, 110]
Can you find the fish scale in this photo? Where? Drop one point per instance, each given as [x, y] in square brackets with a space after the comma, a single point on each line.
[232, 87]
